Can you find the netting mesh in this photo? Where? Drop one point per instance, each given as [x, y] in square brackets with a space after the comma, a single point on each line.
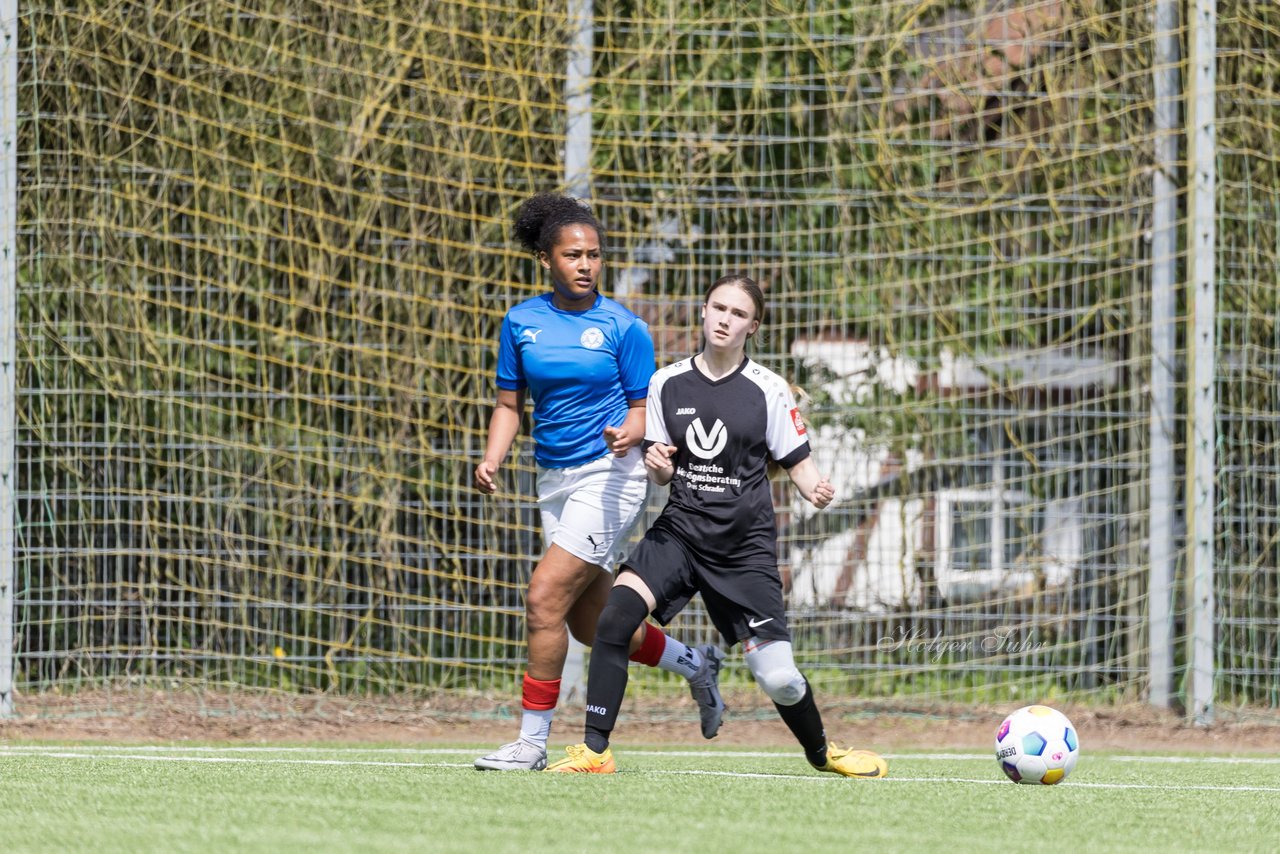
[1248, 364]
[266, 253]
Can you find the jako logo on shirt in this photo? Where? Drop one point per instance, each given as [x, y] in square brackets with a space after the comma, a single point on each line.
[704, 444]
[797, 421]
[591, 338]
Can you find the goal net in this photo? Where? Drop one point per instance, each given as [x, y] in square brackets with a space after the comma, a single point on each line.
[264, 252]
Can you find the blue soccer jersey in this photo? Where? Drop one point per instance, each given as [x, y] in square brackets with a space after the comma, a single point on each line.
[580, 367]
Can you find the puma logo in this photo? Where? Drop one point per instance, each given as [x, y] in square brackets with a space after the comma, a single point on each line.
[531, 334]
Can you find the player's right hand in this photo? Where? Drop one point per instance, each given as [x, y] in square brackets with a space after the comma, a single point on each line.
[658, 458]
[619, 440]
[823, 494]
[483, 477]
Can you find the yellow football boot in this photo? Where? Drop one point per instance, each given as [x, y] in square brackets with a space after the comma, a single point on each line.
[855, 763]
[584, 760]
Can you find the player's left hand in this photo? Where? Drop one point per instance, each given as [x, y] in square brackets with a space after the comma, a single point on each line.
[823, 494]
[619, 440]
[658, 459]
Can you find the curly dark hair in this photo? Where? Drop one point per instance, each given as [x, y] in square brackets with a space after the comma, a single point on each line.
[540, 218]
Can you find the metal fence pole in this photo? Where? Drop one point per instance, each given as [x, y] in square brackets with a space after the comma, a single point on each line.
[577, 180]
[8, 340]
[577, 100]
[1201, 350]
[1164, 304]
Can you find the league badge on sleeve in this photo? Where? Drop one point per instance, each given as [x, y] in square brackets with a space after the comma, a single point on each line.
[798, 421]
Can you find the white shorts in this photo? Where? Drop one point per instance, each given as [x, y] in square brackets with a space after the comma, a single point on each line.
[589, 510]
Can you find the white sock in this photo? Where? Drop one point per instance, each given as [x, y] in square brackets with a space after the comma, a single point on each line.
[535, 726]
[678, 658]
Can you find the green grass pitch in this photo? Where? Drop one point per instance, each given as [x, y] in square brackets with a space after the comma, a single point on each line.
[360, 798]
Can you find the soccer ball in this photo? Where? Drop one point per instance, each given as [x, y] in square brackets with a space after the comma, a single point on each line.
[1037, 745]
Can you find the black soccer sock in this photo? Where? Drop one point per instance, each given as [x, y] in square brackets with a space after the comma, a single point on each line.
[623, 613]
[805, 724]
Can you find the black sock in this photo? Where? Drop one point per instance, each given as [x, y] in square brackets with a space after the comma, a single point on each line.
[607, 675]
[805, 724]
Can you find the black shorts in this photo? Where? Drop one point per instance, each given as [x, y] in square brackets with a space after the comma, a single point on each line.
[743, 602]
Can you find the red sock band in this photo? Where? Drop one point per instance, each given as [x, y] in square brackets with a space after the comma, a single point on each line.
[539, 695]
[651, 646]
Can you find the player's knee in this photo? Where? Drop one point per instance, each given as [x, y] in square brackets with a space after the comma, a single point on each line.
[784, 685]
[542, 610]
[622, 615]
[775, 671]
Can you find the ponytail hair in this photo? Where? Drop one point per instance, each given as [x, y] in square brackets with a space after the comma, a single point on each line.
[539, 220]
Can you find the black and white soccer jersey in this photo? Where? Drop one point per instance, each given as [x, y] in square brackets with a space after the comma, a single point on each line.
[726, 432]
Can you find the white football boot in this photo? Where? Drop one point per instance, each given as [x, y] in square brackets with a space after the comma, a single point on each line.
[516, 756]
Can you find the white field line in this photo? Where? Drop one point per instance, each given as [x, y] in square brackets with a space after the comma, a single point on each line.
[1256, 760]
[984, 781]
[469, 751]
[231, 760]
[108, 755]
